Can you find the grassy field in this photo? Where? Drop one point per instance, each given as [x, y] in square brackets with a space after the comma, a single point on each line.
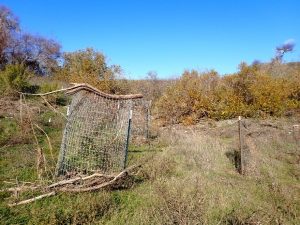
[188, 177]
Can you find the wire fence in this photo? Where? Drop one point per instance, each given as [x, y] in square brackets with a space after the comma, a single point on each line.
[251, 135]
[141, 119]
[96, 133]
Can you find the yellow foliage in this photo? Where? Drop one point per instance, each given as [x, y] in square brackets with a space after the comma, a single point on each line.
[251, 92]
[270, 95]
[89, 66]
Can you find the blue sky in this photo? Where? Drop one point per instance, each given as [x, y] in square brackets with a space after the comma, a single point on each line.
[167, 36]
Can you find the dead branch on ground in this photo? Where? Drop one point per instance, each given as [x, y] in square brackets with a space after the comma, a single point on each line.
[94, 182]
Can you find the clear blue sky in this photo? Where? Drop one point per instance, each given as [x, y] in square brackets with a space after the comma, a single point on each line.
[167, 36]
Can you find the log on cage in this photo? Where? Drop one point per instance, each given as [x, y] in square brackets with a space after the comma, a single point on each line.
[96, 131]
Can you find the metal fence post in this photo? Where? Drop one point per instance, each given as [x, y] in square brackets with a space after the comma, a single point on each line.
[127, 138]
[148, 118]
[241, 158]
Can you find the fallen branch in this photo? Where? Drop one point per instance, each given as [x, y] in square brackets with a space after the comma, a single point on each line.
[32, 199]
[52, 107]
[71, 181]
[59, 186]
[48, 140]
[106, 184]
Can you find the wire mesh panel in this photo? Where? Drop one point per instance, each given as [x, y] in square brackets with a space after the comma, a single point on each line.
[95, 134]
[141, 118]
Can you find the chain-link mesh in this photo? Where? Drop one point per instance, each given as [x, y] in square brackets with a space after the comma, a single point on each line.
[95, 134]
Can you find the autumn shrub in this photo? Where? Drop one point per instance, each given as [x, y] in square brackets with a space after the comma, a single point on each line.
[189, 98]
[252, 92]
[270, 95]
[90, 66]
[227, 104]
[294, 86]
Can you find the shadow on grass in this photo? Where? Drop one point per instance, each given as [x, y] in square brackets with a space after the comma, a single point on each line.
[234, 157]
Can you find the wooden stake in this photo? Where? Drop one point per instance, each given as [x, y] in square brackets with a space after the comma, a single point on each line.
[296, 133]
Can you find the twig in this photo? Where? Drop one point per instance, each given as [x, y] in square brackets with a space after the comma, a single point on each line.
[51, 107]
[49, 142]
[32, 199]
[39, 150]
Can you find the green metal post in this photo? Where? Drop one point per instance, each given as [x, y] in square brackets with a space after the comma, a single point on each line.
[127, 139]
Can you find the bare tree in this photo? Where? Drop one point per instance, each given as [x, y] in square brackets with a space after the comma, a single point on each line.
[35, 52]
[9, 26]
[287, 46]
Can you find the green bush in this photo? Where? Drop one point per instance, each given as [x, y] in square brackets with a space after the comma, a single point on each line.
[14, 78]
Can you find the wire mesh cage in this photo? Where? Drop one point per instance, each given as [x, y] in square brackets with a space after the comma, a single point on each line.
[96, 133]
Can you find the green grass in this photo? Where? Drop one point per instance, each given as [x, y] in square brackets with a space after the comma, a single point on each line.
[8, 127]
